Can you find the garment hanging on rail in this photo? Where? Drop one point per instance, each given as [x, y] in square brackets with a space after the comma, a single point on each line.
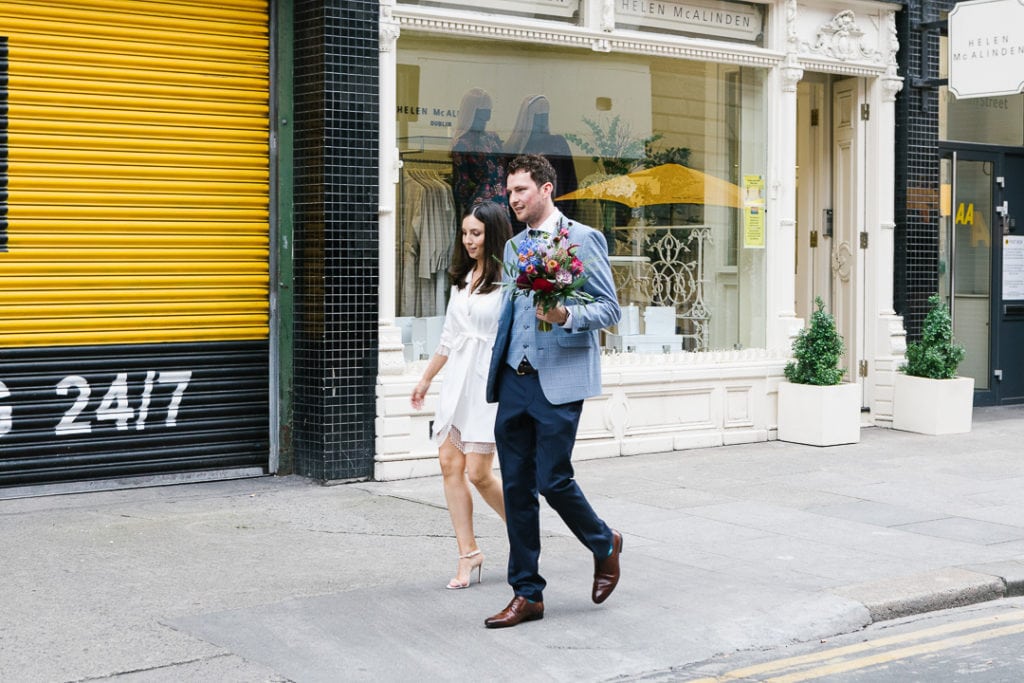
[428, 232]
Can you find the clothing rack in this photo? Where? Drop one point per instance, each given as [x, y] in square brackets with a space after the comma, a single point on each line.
[408, 158]
[411, 299]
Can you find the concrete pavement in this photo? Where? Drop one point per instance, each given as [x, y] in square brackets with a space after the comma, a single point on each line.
[737, 547]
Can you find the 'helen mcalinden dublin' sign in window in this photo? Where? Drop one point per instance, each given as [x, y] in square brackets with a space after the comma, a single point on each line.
[721, 19]
[986, 48]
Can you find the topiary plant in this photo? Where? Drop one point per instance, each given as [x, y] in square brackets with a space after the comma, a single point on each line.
[936, 356]
[817, 350]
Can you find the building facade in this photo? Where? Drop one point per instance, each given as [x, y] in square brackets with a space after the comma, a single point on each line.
[959, 192]
[229, 259]
[783, 113]
[188, 241]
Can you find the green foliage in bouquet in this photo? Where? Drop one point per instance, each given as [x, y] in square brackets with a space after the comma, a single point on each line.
[936, 356]
[817, 350]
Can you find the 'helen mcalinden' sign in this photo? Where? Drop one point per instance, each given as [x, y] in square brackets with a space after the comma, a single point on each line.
[986, 48]
[719, 18]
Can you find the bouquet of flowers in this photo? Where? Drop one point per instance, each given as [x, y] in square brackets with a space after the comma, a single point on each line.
[548, 268]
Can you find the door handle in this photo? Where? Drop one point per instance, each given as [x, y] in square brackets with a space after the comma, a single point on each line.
[1004, 216]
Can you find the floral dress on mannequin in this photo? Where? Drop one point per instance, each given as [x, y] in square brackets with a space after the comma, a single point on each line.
[478, 169]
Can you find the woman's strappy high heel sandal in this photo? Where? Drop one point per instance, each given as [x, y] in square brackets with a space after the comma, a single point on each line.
[455, 584]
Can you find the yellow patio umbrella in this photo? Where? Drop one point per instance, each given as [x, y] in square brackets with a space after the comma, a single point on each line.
[665, 184]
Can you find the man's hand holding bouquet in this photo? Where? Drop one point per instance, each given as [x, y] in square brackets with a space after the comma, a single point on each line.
[546, 266]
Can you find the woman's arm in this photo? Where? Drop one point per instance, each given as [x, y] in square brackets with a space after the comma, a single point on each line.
[450, 332]
[437, 362]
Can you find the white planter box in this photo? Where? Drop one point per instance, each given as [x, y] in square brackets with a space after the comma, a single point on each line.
[819, 416]
[932, 406]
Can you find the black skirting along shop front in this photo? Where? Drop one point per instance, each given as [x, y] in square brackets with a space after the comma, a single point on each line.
[73, 414]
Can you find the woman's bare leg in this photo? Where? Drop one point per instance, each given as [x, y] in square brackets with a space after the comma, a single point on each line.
[460, 508]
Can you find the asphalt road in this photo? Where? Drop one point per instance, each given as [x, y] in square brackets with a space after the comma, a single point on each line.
[981, 643]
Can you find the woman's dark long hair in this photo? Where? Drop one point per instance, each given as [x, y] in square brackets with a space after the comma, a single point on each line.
[497, 231]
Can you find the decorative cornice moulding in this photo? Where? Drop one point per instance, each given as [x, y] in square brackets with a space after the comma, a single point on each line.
[841, 69]
[717, 360]
[388, 27]
[461, 27]
[694, 358]
[634, 42]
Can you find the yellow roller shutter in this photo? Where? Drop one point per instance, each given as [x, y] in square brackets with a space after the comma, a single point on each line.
[138, 172]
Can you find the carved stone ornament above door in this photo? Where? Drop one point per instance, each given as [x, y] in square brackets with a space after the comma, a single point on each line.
[843, 38]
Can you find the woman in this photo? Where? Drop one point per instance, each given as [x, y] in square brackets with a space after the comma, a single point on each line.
[464, 422]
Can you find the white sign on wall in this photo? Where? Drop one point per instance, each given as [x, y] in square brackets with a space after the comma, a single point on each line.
[986, 48]
[719, 18]
[1013, 267]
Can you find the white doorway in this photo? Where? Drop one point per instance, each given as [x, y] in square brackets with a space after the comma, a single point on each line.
[830, 262]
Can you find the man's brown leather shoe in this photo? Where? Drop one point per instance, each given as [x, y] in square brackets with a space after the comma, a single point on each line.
[519, 610]
[606, 571]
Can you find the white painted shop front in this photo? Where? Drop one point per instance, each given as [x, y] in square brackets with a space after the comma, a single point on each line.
[783, 112]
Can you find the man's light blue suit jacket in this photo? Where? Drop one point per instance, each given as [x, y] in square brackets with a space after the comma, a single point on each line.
[568, 361]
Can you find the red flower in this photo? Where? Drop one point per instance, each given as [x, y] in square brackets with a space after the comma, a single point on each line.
[542, 285]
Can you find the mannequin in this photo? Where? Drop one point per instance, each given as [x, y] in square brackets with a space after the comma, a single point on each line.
[532, 135]
[477, 170]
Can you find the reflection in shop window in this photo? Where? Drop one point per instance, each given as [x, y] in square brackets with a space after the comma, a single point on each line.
[665, 157]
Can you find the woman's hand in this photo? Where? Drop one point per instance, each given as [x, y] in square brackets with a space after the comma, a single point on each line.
[418, 394]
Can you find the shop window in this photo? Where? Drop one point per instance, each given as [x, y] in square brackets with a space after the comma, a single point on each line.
[688, 139]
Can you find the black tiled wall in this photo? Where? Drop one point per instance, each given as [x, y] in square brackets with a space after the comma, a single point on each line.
[917, 166]
[335, 233]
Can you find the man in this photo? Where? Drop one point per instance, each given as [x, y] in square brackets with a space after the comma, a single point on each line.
[539, 380]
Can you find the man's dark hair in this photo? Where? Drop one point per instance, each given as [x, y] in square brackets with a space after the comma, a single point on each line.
[541, 170]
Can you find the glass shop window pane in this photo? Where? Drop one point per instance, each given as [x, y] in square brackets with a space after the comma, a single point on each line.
[972, 267]
[666, 157]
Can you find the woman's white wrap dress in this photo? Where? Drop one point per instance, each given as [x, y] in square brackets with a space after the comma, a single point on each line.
[470, 326]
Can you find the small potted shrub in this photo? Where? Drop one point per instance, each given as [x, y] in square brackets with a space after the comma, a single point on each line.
[815, 406]
[928, 397]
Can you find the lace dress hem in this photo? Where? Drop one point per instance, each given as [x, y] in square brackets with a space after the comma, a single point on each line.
[480, 447]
